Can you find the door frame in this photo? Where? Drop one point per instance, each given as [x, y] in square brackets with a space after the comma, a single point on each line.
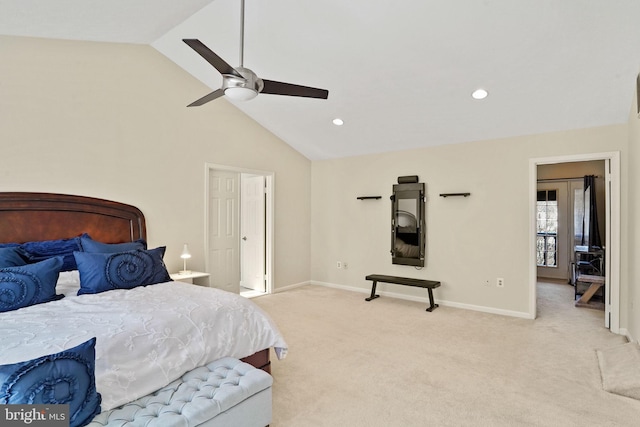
[269, 219]
[612, 225]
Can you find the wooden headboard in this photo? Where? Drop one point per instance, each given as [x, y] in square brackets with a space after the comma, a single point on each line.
[26, 217]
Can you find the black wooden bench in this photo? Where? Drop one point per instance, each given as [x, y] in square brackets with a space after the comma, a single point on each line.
[429, 284]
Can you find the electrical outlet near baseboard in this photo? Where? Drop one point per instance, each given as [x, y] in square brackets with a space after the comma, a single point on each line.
[500, 282]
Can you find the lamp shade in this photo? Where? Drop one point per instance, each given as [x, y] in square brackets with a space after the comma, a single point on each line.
[185, 252]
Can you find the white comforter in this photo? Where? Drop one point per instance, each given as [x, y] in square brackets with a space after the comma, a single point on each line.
[146, 337]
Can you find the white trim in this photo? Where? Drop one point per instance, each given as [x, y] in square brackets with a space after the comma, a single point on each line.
[235, 169]
[425, 300]
[625, 332]
[290, 287]
[612, 242]
[270, 211]
[270, 230]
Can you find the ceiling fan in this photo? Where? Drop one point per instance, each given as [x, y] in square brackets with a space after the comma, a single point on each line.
[242, 84]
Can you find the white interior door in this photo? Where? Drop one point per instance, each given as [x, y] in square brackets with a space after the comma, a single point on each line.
[553, 231]
[611, 293]
[252, 226]
[224, 253]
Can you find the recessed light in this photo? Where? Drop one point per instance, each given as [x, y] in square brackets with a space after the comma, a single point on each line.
[479, 94]
[338, 122]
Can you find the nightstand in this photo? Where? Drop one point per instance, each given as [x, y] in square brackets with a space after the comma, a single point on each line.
[188, 277]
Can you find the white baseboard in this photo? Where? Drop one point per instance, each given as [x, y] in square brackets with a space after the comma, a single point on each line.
[425, 300]
[289, 287]
[492, 310]
[625, 332]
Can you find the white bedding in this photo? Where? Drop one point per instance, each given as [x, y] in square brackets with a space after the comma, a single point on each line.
[146, 337]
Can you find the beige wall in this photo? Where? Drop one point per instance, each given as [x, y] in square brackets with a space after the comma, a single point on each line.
[109, 121]
[470, 241]
[571, 170]
[632, 267]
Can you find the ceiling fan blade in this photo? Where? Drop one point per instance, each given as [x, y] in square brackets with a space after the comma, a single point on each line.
[279, 88]
[213, 95]
[213, 59]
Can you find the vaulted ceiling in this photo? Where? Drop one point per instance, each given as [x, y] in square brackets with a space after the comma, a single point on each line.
[400, 74]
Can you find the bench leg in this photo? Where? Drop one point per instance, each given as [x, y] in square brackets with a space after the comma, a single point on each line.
[590, 292]
[373, 292]
[432, 306]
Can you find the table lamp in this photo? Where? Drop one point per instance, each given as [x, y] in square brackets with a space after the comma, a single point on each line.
[185, 255]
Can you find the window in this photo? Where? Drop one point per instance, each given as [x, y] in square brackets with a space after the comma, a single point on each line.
[547, 228]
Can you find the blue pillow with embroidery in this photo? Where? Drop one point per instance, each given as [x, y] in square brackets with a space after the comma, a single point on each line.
[30, 284]
[45, 249]
[12, 257]
[100, 272]
[65, 378]
[87, 244]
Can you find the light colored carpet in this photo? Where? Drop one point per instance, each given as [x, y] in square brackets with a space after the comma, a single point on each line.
[620, 369]
[390, 363]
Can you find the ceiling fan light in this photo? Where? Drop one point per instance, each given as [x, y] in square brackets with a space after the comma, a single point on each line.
[238, 93]
[479, 94]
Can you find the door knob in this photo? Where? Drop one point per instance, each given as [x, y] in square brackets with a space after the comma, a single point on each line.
[244, 238]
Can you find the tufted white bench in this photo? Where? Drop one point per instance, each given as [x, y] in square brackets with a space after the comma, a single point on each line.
[224, 393]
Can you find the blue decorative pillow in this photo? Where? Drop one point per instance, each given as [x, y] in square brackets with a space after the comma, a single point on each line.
[12, 257]
[45, 249]
[62, 378]
[29, 284]
[9, 245]
[87, 244]
[101, 272]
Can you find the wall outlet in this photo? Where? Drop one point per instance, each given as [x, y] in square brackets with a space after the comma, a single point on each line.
[500, 282]
[339, 264]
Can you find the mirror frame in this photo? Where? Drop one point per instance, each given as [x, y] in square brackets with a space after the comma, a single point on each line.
[408, 191]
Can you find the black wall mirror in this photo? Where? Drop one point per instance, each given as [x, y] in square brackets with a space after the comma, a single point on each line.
[408, 222]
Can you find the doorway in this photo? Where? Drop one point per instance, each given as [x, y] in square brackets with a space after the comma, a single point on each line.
[239, 229]
[252, 230]
[611, 181]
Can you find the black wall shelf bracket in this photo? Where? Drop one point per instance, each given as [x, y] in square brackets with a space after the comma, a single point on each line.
[454, 194]
[369, 197]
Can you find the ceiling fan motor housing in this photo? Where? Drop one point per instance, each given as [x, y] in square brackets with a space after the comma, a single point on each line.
[250, 81]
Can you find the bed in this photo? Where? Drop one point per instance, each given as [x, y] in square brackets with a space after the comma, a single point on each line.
[141, 337]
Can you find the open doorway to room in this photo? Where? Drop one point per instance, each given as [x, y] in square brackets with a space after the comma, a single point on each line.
[563, 244]
[239, 229]
[568, 250]
[563, 218]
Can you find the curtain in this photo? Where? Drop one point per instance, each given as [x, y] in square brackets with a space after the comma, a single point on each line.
[590, 230]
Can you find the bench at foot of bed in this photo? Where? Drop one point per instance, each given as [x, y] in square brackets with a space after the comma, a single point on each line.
[224, 393]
